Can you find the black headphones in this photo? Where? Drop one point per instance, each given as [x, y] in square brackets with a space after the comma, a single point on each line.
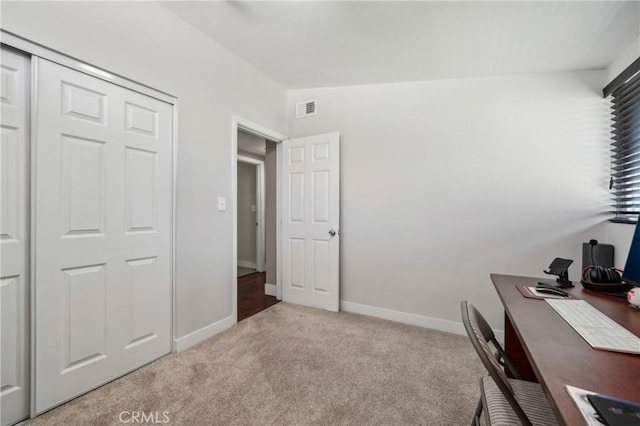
[599, 274]
[599, 278]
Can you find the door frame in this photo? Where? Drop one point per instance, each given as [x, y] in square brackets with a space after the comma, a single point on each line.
[36, 51]
[260, 205]
[240, 123]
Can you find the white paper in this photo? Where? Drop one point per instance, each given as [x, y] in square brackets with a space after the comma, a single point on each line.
[579, 397]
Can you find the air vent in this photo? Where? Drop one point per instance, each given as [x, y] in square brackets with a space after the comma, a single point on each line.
[306, 108]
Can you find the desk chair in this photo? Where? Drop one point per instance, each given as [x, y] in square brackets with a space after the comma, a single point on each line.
[504, 401]
[499, 354]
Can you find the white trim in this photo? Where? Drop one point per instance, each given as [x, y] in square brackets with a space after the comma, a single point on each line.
[279, 153]
[204, 333]
[36, 49]
[260, 213]
[32, 234]
[247, 264]
[411, 319]
[174, 229]
[256, 130]
[270, 289]
[239, 123]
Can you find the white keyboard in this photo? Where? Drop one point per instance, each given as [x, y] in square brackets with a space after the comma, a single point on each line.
[600, 331]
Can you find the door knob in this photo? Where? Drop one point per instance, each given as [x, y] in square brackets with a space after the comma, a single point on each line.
[332, 233]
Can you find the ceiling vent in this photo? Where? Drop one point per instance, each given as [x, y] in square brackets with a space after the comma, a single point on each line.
[306, 108]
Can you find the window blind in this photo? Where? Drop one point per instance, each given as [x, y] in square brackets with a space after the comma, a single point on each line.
[625, 147]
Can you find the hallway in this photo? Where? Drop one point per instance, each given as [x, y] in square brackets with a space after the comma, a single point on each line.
[251, 297]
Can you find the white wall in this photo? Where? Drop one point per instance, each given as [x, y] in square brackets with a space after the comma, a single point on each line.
[247, 233]
[143, 41]
[252, 144]
[444, 182]
[624, 59]
[620, 235]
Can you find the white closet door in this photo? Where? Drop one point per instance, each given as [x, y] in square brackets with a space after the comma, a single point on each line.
[103, 232]
[14, 238]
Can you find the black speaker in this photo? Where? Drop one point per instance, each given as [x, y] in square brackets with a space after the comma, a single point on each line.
[602, 255]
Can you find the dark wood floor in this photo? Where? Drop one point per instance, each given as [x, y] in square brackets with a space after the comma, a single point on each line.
[251, 297]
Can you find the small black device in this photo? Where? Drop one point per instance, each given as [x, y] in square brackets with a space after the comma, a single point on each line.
[616, 411]
[559, 267]
[598, 254]
[606, 280]
[547, 289]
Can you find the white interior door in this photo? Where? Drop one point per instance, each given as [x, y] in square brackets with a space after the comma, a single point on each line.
[103, 232]
[14, 238]
[311, 221]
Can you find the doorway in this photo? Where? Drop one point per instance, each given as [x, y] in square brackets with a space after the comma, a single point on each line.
[306, 210]
[255, 218]
[250, 213]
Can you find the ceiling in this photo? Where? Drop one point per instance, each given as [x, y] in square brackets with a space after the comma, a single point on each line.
[318, 44]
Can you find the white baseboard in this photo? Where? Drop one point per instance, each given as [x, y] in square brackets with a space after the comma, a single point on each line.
[247, 264]
[204, 333]
[270, 289]
[411, 319]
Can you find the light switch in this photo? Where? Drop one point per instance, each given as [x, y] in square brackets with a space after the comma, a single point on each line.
[253, 208]
[222, 204]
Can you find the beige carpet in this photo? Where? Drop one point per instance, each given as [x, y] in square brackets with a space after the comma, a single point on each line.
[291, 365]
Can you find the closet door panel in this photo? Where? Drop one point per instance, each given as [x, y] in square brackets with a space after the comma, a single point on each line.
[14, 236]
[103, 242]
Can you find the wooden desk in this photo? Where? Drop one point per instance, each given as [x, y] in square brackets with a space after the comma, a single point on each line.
[555, 355]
